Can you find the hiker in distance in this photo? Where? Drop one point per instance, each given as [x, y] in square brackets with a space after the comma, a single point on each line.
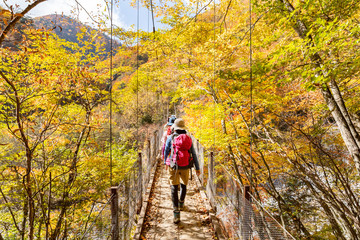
[167, 132]
[179, 157]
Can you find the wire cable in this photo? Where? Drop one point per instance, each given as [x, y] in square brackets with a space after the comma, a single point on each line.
[110, 90]
[251, 92]
[137, 71]
[251, 98]
[214, 74]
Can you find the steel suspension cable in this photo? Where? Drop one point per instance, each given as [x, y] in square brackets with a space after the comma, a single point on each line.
[147, 72]
[251, 100]
[214, 74]
[137, 71]
[251, 91]
[110, 90]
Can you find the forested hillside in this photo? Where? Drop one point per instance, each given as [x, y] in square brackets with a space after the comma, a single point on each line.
[274, 93]
[67, 28]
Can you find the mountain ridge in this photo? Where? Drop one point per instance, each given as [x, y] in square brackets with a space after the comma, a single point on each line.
[67, 28]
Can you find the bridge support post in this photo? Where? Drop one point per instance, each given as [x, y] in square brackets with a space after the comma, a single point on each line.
[247, 193]
[140, 182]
[210, 188]
[148, 153]
[154, 148]
[114, 213]
[211, 170]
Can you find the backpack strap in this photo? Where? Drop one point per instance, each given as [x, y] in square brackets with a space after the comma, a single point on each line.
[172, 145]
[172, 163]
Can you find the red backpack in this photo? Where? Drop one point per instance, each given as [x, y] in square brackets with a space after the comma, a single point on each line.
[180, 152]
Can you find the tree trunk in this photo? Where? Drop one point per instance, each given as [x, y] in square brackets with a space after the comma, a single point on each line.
[331, 95]
[340, 101]
[344, 129]
[30, 195]
[72, 175]
[335, 226]
[29, 209]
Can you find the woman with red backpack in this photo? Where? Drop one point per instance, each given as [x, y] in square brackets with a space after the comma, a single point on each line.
[179, 155]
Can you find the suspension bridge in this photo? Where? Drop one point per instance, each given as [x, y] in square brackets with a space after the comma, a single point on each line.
[141, 205]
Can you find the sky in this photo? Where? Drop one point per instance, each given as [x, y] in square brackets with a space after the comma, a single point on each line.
[124, 15]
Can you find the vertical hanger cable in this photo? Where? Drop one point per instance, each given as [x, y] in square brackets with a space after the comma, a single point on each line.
[214, 67]
[110, 90]
[251, 92]
[137, 71]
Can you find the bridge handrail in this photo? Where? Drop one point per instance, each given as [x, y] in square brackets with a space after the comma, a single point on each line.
[130, 190]
[240, 218]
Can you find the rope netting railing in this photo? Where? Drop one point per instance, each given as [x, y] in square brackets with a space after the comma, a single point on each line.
[131, 194]
[125, 201]
[132, 189]
[241, 216]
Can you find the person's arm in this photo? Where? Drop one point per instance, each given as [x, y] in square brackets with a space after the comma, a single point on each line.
[193, 153]
[167, 148]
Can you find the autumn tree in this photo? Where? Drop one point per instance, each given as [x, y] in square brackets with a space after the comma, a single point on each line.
[50, 90]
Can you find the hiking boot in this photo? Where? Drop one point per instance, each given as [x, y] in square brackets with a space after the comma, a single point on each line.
[176, 216]
[181, 206]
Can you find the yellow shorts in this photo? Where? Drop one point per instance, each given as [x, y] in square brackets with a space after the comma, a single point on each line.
[175, 175]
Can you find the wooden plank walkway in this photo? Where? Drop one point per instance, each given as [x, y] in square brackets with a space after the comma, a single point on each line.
[158, 223]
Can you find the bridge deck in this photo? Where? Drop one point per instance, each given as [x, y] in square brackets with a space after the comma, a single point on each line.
[158, 224]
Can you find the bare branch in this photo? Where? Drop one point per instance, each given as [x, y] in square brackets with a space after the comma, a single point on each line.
[77, 2]
[17, 18]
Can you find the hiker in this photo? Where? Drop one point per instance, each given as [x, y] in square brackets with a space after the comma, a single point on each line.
[180, 148]
[167, 132]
